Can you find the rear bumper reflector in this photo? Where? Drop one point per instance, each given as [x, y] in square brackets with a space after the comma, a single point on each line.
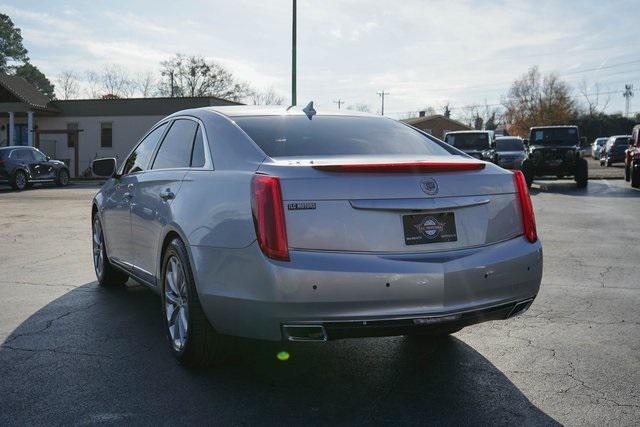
[404, 167]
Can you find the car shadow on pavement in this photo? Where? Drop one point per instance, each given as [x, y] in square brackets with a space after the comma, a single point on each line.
[99, 355]
[595, 188]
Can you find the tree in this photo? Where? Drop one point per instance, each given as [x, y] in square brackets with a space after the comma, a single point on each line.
[595, 102]
[446, 110]
[68, 85]
[11, 47]
[536, 100]
[33, 75]
[266, 97]
[93, 84]
[364, 108]
[196, 76]
[145, 83]
[116, 81]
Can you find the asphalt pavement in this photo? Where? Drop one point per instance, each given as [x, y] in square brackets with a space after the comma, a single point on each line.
[73, 353]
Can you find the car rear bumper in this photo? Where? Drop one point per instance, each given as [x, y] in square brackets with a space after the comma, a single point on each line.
[363, 294]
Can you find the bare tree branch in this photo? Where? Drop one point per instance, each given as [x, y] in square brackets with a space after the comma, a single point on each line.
[68, 85]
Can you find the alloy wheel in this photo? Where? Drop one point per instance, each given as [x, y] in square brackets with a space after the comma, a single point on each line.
[21, 180]
[176, 303]
[64, 178]
[98, 253]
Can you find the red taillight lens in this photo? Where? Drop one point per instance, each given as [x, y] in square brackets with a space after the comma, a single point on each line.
[526, 208]
[268, 216]
[404, 167]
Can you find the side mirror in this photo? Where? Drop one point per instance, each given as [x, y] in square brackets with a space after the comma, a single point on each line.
[104, 168]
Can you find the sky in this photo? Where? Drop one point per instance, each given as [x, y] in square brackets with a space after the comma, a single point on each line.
[423, 53]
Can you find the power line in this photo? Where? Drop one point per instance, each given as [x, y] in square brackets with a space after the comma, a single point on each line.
[600, 68]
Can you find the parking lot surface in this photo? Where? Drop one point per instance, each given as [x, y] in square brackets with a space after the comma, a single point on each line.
[74, 353]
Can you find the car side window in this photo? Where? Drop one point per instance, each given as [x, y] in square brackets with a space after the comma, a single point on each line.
[175, 151]
[22, 154]
[38, 156]
[138, 161]
[197, 156]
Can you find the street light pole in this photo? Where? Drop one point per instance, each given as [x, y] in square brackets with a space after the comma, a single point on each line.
[382, 94]
[293, 55]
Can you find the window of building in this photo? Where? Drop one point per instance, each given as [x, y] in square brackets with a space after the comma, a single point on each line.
[72, 137]
[106, 135]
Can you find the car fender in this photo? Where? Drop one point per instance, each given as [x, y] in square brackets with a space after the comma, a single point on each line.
[171, 228]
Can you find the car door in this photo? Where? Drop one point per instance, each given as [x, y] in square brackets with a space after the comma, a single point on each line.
[156, 191]
[116, 212]
[24, 158]
[44, 167]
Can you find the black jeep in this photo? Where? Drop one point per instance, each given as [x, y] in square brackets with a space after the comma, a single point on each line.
[555, 151]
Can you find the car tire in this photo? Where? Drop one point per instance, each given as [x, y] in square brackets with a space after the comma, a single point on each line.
[635, 176]
[108, 275]
[601, 162]
[199, 345]
[527, 171]
[608, 163]
[582, 173]
[62, 179]
[19, 181]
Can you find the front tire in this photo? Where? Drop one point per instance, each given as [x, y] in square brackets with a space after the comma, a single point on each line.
[20, 180]
[582, 173]
[62, 180]
[107, 274]
[192, 339]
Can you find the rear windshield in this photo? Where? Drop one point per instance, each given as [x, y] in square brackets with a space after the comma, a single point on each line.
[468, 141]
[554, 136]
[286, 136]
[510, 144]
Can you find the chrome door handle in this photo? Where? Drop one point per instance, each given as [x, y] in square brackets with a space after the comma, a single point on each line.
[167, 195]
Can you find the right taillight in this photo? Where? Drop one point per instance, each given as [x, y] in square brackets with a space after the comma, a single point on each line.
[526, 208]
[268, 216]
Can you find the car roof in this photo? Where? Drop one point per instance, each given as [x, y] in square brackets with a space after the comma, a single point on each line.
[281, 110]
[469, 131]
[554, 127]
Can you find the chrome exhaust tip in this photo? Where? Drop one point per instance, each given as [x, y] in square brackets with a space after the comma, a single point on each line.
[520, 308]
[314, 333]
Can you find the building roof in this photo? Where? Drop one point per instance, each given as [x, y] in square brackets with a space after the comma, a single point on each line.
[417, 120]
[135, 106]
[24, 91]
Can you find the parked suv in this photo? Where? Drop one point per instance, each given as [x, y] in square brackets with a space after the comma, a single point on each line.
[510, 151]
[632, 159]
[614, 150]
[476, 143]
[555, 151]
[21, 167]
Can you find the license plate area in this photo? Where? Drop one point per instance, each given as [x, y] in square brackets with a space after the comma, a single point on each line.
[420, 229]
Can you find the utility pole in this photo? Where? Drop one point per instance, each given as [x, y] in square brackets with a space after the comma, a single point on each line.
[170, 74]
[628, 93]
[339, 102]
[293, 54]
[382, 94]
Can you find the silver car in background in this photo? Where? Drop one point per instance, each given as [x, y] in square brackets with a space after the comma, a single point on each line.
[287, 224]
[510, 151]
[598, 146]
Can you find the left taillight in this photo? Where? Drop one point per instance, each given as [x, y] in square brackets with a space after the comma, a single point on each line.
[268, 216]
[526, 207]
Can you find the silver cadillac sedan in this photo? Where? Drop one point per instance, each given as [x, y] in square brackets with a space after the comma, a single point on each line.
[297, 225]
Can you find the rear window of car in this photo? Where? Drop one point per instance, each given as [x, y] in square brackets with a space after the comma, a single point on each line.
[554, 136]
[621, 141]
[286, 136]
[509, 144]
[469, 141]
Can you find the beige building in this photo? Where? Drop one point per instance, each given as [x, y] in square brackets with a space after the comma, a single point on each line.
[78, 131]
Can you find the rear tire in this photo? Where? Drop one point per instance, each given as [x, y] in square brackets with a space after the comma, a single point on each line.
[527, 171]
[635, 176]
[582, 173]
[62, 180]
[627, 172]
[107, 274]
[20, 181]
[192, 339]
